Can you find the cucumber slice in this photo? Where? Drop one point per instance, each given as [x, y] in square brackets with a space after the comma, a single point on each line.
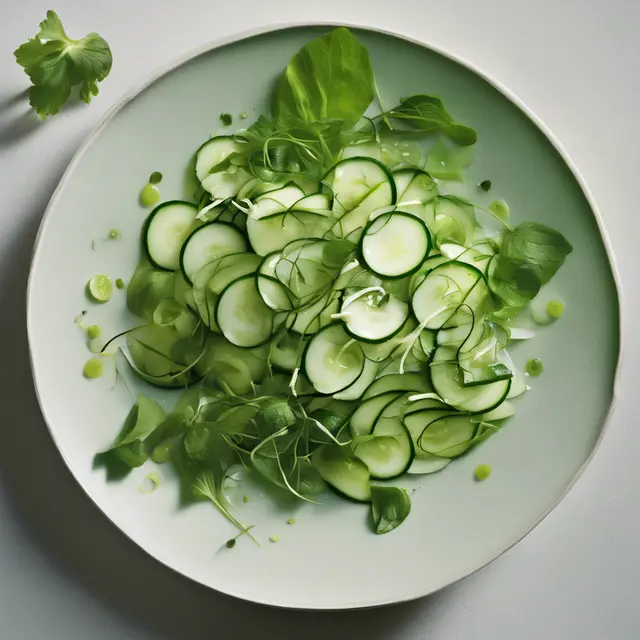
[301, 269]
[351, 225]
[286, 351]
[416, 420]
[446, 380]
[208, 242]
[448, 436]
[277, 201]
[165, 231]
[332, 360]
[223, 184]
[314, 203]
[380, 351]
[424, 465]
[257, 187]
[403, 178]
[209, 282]
[390, 452]
[394, 245]
[428, 265]
[398, 382]
[314, 317]
[354, 179]
[273, 233]
[356, 390]
[416, 197]
[347, 475]
[454, 221]
[503, 411]
[241, 314]
[273, 292]
[363, 150]
[369, 323]
[442, 292]
[366, 415]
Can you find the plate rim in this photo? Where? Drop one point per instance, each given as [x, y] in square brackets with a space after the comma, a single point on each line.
[218, 43]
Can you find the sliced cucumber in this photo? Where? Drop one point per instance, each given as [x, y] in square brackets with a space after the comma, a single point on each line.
[366, 415]
[446, 380]
[277, 201]
[454, 221]
[356, 390]
[286, 351]
[241, 314]
[354, 179]
[214, 277]
[221, 184]
[314, 203]
[398, 382]
[448, 436]
[394, 245]
[369, 323]
[273, 233]
[417, 194]
[380, 351]
[351, 224]
[390, 452]
[208, 242]
[314, 317]
[417, 419]
[301, 269]
[403, 178]
[443, 291]
[423, 465]
[428, 265]
[503, 411]
[273, 292]
[332, 360]
[342, 472]
[165, 231]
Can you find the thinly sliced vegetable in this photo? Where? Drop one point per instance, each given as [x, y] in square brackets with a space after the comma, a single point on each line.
[370, 322]
[394, 245]
[343, 473]
[208, 242]
[166, 229]
[241, 314]
[333, 361]
[220, 184]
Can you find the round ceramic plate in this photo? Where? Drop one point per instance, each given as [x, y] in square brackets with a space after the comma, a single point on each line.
[329, 559]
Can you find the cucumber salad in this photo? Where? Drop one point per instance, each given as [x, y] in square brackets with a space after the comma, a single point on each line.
[334, 314]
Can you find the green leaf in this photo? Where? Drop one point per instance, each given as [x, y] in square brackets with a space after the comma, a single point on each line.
[447, 162]
[427, 114]
[544, 249]
[390, 507]
[56, 63]
[143, 419]
[530, 255]
[329, 78]
[148, 287]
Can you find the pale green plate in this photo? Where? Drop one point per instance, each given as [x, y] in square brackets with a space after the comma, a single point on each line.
[329, 558]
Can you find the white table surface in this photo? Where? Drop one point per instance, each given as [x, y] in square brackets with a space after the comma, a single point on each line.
[66, 573]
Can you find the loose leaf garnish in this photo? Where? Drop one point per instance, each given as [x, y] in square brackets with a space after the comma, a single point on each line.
[56, 63]
[330, 78]
[427, 114]
[143, 419]
[530, 255]
[390, 507]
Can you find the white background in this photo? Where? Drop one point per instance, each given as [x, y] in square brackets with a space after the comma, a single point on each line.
[66, 573]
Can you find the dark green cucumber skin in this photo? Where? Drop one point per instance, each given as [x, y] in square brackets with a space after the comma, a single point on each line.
[147, 223]
[409, 273]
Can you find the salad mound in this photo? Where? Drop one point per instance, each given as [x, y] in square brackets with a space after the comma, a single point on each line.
[335, 314]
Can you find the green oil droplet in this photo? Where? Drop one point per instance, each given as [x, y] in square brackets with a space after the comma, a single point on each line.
[93, 369]
[534, 367]
[93, 331]
[120, 283]
[555, 309]
[482, 472]
[149, 196]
